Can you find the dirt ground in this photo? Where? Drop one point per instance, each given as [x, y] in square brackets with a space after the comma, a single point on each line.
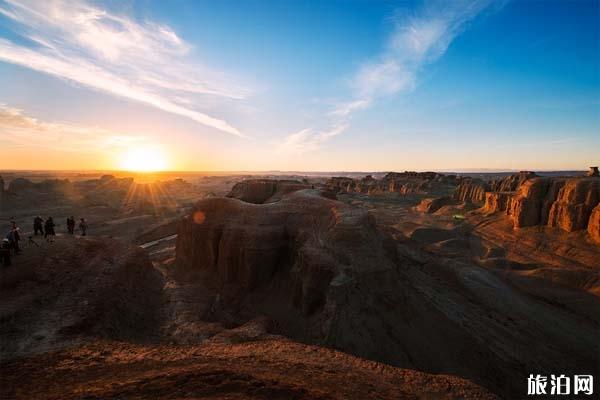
[239, 368]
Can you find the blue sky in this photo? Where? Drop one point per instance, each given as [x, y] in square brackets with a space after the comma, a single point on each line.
[333, 85]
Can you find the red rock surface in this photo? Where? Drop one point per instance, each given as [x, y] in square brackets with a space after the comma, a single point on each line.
[496, 201]
[529, 200]
[574, 204]
[512, 182]
[594, 224]
[525, 207]
[471, 190]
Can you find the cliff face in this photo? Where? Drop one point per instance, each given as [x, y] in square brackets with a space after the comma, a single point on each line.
[574, 204]
[559, 202]
[566, 203]
[496, 201]
[594, 224]
[511, 183]
[301, 242]
[525, 207]
[471, 190]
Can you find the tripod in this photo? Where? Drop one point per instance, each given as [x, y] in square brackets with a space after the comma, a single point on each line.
[30, 241]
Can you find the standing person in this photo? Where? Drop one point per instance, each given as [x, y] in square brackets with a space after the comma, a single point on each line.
[38, 225]
[15, 237]
[71, 224]
[83, 226]
[5, 253]
[49, 228]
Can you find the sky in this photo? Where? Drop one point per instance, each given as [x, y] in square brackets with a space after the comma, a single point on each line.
[300, 86]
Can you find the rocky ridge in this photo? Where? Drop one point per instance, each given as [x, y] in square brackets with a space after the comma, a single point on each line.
[394, 182]
[529, 200]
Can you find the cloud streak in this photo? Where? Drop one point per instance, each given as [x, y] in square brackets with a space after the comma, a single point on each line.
[417, 40]
[21, 130]
[309, 139]
[145, 62]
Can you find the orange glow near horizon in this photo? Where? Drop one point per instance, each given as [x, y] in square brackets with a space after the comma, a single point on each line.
[143, 159]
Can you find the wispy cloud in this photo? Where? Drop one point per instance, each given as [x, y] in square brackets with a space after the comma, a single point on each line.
[418, 39]
[141, 61]
[21, 130]
[309, 139]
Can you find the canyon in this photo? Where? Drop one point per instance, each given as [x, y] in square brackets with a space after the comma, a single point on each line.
[411, 285]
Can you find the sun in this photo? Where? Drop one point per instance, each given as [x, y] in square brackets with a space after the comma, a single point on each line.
[143, 159]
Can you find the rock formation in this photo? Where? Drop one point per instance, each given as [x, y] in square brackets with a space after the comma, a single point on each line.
[431, 205]
[19, 184]
[566, 203]
[496, 201]
[593, 171]
[340, 184]
[259, 191]
[574, 204]
[530, 200]
[403, 183]
[304, 236]
[471, 190]
[512, 182]
[594, 224]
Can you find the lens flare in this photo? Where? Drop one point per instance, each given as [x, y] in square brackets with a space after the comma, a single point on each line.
[199, 217]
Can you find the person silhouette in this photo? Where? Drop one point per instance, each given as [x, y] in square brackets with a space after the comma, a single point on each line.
[49, 229]
[71, 225]
[83, 226]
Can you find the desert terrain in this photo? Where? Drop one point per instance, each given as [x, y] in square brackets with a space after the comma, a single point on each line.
[416, 285]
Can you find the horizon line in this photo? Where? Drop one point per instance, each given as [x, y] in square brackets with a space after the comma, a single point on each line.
[450, 170]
